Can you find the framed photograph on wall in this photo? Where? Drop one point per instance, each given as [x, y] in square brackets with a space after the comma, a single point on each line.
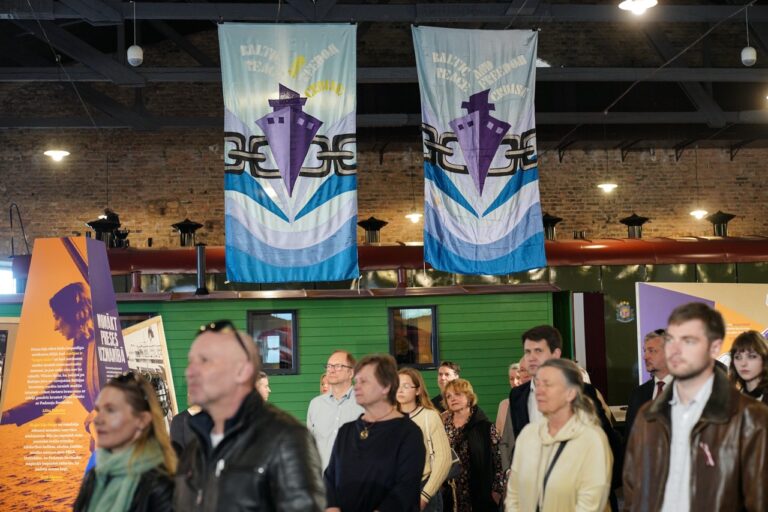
[413, 339]
[276, 334]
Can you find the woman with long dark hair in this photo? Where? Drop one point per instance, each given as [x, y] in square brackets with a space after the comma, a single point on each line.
[134, 458]
[749, 365]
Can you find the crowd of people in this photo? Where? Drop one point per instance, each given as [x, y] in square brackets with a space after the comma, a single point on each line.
[697, 434]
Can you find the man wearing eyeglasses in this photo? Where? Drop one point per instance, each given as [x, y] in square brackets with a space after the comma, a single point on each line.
[244, 453]
[328, 412]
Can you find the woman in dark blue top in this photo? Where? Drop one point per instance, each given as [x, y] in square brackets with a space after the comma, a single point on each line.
[377, 460]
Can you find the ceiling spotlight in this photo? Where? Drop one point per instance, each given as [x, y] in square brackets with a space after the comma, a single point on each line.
[414, 217]
[637, 7]
[607, 187]
[699, 214]
[57, 155]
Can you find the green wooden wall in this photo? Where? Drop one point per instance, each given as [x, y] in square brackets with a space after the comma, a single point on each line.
[480, 332]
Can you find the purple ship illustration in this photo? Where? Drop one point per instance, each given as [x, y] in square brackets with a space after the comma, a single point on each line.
[289, 131]
[479, 136]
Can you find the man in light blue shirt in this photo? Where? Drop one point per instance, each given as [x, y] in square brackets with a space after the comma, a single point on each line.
[328, 412]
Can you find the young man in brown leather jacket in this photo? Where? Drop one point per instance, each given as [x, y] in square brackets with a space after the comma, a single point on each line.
[701, 445]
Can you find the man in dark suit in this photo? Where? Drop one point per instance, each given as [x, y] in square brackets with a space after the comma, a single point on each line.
[656, 365]
[540, 344]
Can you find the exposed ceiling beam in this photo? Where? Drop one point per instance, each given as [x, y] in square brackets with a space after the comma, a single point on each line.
[183, 43]
[305, 7]
[466, 12]
[694, 90]
[132, 117]
[402, 74]
[81, 51]
[124, 120]
[95, 12]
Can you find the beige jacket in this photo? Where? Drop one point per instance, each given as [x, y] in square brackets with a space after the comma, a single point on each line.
[438, 460]
[580, 479]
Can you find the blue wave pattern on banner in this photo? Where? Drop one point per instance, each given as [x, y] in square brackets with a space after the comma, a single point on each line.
[332, 187]
[434, 174]
[240, 238]
[482, 205]
[526, 228]
[290, 215]
[246, 185]
[255, 271]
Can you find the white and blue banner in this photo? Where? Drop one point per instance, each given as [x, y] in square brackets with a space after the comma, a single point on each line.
[290, 161]
[482, 213]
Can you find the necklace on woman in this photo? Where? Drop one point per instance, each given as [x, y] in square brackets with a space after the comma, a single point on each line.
[364, 433]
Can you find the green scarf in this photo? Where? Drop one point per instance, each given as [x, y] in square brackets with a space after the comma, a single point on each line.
[117, 476]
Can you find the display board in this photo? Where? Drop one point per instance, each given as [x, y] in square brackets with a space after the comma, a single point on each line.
[148, 355]
[69, 343]
[743, 306]
[9, 326]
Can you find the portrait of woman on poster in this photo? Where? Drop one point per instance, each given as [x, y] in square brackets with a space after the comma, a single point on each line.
[134, 458]
[563, 461]
[73, 319]
[749, 365]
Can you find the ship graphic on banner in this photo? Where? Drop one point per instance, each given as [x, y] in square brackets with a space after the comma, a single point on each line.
[290, 164]
[289, 131]
[479, 135]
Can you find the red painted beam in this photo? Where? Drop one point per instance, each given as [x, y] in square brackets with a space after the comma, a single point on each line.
[387, 257]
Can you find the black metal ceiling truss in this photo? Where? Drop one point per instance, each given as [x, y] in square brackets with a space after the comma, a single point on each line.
[500, 13]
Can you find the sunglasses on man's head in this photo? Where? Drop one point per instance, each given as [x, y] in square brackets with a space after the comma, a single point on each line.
[224, 326]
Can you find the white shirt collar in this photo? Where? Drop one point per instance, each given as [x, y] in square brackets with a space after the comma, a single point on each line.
[701, 396]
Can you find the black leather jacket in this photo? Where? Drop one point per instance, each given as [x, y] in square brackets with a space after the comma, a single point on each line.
[267, 461]
[153, 494]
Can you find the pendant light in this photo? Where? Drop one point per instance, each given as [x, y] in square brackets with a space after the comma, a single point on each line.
[698, 213]
[135, 52]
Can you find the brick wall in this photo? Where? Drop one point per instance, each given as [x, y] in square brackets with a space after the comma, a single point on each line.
[157, 179]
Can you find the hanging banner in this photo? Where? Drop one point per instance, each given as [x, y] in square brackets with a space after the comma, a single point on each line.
[290, 186]
[68, 344]
[148, 355]
[481, 213]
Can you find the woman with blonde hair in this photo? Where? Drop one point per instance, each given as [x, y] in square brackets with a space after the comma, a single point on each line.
[134, 458]
[563, 461]
[473, 437]
[749, 365]
[413, 400]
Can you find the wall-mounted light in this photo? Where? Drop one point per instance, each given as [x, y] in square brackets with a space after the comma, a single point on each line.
[607, 187]
[699, 213]
[637, 7]
[57, 155]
